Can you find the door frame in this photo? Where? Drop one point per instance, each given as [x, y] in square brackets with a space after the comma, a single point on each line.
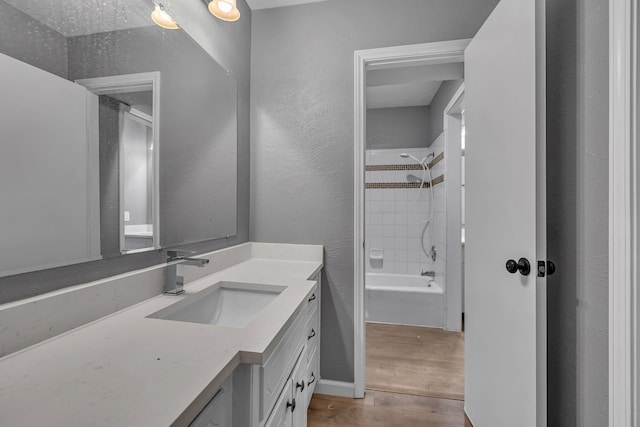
[623, 214]
[133, 83]
[453, 165]
[364, 60]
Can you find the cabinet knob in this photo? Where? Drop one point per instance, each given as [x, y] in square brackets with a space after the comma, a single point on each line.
[292, 405]
[300, 385]
[313, 334]
[313, 296]
[313, 380]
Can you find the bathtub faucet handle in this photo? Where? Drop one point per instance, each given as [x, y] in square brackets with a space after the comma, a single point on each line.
[428, 273]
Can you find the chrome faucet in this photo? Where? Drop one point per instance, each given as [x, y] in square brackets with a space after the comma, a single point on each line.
[428, 273]
[176, 261]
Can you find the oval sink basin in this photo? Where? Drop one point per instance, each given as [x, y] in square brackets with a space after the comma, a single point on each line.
[225, 304]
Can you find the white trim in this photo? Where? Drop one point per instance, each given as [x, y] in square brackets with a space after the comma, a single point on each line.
[622, 214]
[93, 178]
[121, 162]
[335, 388]
[453, 186]
[135, 83]
[390, 57]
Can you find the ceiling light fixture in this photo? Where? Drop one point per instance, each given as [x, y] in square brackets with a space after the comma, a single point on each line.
[224, 9]
[163, 19]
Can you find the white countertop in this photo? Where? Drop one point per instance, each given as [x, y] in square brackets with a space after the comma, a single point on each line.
[130, 370]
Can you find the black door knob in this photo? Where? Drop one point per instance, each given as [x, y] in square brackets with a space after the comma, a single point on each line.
[551, 268]
[522, 265]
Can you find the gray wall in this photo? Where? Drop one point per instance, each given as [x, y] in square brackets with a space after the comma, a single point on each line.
[438, 104]
[577, 211]
[302, 130]
[45, 48]
[406, 127]
[109, 148]
[137, 185]
[230, 45]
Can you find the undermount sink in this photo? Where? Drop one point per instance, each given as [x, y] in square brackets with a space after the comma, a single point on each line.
[224, 303]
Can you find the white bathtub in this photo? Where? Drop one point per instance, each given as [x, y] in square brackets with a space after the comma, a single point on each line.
[404, 300]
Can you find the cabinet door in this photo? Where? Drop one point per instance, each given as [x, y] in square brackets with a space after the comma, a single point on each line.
[282, 415]
[300, 391]
[217, 413]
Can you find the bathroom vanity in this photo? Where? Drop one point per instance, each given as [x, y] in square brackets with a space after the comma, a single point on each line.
[239, 348]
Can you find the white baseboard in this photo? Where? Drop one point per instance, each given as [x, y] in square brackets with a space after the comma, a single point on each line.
[335, 388]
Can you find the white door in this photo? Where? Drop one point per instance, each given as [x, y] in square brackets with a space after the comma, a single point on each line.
[505, 351]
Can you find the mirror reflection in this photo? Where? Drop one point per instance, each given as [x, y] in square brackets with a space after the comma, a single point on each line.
[120, 137]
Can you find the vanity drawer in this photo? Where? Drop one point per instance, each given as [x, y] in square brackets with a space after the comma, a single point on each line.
[276, 370]
[312, 334]
[313, 374]
[313, 301]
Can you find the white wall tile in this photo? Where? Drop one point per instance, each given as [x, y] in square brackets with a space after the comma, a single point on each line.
[389, 231]
[395, 216]
[401, 231]
[388, 243]
[389, 218]
[401, 218]
[375, 218]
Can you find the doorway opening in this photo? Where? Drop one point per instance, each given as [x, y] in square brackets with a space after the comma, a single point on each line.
[409, 267]
[123, 122]
[413, 281]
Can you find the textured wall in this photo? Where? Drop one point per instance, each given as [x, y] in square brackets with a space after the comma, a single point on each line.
[45, 48]
[108, 147]
[577, 191]
[406, 127]
[230, 45]
[302, 129]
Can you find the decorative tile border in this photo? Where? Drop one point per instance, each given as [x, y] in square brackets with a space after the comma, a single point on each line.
[409, 167]
[396, 185]
[404, 167]
[437, 160]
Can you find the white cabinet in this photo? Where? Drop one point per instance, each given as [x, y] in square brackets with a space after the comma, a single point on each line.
[298, 376]
[291, 407]
[282, 415]
[218, 412]
[277, 393]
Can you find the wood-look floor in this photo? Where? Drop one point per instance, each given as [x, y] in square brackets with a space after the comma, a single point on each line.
[415, 360]
[415, 377]
[381, 409]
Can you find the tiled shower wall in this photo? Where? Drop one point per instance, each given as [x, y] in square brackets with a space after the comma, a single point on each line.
[394, 217]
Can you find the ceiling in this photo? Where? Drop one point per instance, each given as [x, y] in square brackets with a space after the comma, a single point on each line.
[414, 94]
[413, 86]
[268, 4]
[80, 17]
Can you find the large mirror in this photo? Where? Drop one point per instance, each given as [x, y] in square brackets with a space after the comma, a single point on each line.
[117, 136]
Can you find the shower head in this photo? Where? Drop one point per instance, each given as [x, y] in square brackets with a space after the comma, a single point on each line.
[422, 162]
[409, 156]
